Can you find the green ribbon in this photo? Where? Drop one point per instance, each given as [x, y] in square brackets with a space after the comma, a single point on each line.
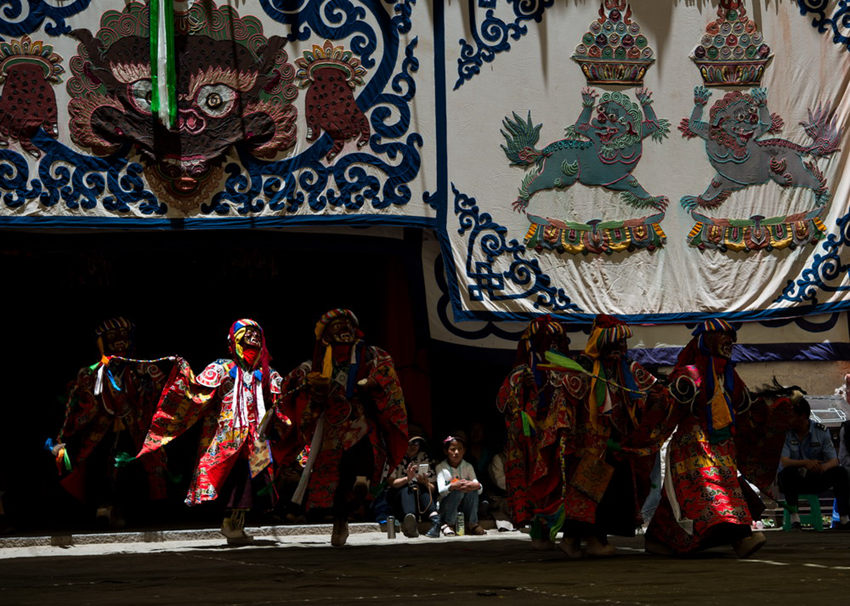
[563, 361]
[527, 424]
[163, 70]
[122, 459]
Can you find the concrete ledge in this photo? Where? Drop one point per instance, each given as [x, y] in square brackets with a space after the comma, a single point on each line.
[158, 536]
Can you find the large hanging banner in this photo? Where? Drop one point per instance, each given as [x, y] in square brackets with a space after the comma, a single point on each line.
[811, 338]
[213, 114]
[660, 162]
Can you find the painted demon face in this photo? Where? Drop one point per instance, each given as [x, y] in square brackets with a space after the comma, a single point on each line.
[249, 346]
[611, 122]
[223, 99]
[739, 120]
[555, 341]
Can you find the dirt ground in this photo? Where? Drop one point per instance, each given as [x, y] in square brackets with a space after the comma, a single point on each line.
[500, 568]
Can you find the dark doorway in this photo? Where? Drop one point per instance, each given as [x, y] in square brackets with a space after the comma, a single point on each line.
[182, 289]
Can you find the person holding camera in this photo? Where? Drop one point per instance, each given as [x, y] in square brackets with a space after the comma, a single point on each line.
[412, 488]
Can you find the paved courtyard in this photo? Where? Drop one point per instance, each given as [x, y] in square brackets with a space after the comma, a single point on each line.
[292, 566]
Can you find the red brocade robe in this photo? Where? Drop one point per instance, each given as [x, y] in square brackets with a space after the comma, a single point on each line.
[129, 392]
[227, 429]
[537, 418]
[549, 432]
[376, 413]
[626, 437]
[704, 471]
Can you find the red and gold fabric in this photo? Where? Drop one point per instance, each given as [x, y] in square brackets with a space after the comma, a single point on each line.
[639, 418]
[226, 400]
[705, 480]
[703, 471]
[122, 401]
[537, 418]
[365, 401]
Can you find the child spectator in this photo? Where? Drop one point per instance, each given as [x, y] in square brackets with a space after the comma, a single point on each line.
[458, 488]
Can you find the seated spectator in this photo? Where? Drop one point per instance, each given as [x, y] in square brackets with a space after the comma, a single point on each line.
[498, 492]
[844, 431]
[478, 452]
[809, 465]
[413, 488]
[496, 473]
[458, 488]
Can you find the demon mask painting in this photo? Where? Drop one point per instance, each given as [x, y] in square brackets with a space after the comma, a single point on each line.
[234, 86]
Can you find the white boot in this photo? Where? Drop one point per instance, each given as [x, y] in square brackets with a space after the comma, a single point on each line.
[233, 528]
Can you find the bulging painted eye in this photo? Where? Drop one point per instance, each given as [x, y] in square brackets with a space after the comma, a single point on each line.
[216, 100]
[141, 93]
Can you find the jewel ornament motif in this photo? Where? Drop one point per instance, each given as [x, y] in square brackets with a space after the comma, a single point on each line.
[732, 51]
[28, 70]
[613, 50]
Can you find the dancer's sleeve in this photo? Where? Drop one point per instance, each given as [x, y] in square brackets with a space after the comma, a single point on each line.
[389, 402]
[184, 400]
[759, 437]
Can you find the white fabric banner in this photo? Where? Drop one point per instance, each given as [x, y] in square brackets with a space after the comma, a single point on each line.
[660, 161]
[670, 197]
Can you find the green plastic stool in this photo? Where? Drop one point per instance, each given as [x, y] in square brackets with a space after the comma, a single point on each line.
[813, 517]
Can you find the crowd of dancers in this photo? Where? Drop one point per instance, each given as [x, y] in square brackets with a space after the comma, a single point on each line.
[583, 432]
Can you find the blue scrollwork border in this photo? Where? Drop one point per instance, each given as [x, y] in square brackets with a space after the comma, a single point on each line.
[488, 239]
[494, 35]
[76, 181]
[825, 267]
[444, 303]
[838, 22]
[18, 18]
